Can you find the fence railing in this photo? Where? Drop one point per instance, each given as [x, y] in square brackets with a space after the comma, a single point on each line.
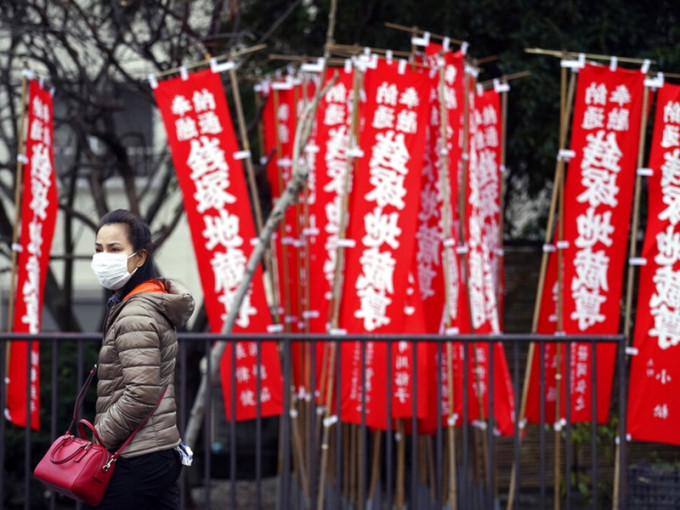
[279, 462]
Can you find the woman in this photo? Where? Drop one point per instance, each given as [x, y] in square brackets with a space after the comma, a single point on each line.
[136, 364]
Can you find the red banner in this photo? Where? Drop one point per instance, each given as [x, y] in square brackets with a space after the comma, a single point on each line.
[482, 240]
[598, 199]
[210, 173]
[653, 407]
[437, 235]
[437, 257]
[326, 192]
[38, 218]
[280, 121]
[383, 225]
[599, 188]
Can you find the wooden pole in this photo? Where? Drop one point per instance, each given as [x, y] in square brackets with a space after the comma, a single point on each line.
[559, 173]
[447, 231]
[462, 202]
[630, 281]
[337, 285]
[417, 32]
[591, 56]
[18, 182]
[401, 464]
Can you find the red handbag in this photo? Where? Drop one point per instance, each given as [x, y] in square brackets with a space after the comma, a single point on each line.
[77, 467]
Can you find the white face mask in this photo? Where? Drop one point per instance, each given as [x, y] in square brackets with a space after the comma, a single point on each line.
[111, 269]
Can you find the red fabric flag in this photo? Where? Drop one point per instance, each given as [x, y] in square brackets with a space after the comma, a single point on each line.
[325, 197]
[284, 96]
[382, 224]
[482, 239]
[38, 218]
[653, 407]
[598, 200]
[435, 264]
[206, 157]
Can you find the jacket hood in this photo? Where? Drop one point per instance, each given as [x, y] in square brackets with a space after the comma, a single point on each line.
[175, 303]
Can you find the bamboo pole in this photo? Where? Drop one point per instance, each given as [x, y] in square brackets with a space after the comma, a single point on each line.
[334, 308]
[501, 223]
[206, 61]
[250, 172]
[489, 84]
[282, 225]
[447, 230]
[18, 182]
[419, 32]
[591, 56]
[462, 202]
[401, 464]
[630, 281]
[375, 467]
[559, 173]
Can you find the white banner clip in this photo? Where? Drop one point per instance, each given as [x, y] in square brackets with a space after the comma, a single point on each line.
[330, 421]
[241, 154]
[274, 328]
[499, 87]
[218, 68]
[346, 243]
[184, 73]
[645, 172]
[637, 261]
[566, 154]
[153, 82]
[632, 351]
[645, 66]
[575, 65]
[310, 67]
[421, 41]
[655, 83]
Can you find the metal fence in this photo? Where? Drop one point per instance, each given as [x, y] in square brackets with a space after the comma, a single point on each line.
[260, 464]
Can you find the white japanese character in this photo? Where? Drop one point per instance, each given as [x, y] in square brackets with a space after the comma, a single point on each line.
[671, 136]
[222, 230]
[671, 112]
[668, 245]
[381, 228]
[409, 98]
[180, 105]
[594, 228]
[596, 94]
[588, 305]
[620, 95]
[387, 93]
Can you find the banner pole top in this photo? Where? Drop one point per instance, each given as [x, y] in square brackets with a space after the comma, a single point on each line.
[592, 56]
[415, 30]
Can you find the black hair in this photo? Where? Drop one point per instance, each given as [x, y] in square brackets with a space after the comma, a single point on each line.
[139, 234]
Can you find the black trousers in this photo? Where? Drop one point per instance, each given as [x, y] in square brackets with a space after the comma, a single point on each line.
[144, 482]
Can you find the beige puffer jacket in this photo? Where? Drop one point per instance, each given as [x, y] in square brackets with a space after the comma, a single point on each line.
[136, 362]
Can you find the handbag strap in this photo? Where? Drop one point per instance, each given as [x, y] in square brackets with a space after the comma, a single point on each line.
[79, 398]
